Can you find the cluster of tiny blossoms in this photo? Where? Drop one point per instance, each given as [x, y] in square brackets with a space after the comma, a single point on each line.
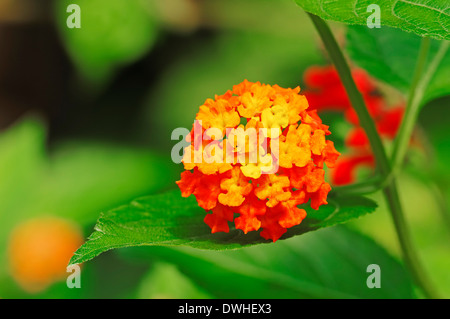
[263, 197]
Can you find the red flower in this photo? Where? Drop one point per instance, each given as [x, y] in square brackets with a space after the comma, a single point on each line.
[326, 93]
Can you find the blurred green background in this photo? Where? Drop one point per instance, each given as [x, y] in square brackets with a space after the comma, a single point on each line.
[85, 122]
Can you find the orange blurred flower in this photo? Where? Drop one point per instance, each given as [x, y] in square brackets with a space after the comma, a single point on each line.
[265, 192]
[325, 92]
[40, 250]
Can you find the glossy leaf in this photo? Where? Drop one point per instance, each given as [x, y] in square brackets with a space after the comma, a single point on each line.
[331, 263]
[170, 220]
[390, 55]
[423, 17]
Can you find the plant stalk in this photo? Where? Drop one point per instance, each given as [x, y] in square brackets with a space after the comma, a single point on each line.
[383, 165]
[419, 84]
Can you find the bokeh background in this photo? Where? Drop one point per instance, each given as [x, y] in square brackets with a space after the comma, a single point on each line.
[85, 122]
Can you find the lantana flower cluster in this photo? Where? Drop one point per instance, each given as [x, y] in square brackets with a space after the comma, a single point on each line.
[262, 194]
[326, 92]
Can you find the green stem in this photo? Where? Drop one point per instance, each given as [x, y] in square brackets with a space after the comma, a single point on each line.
[353, 93]
[419, 85]
[412, 108]
[415, 96]
[383, 165]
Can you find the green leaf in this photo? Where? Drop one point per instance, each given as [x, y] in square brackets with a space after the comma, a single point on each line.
[75, 181]
[21, 157]
[94, 176]
[390, 55]
[165, 281]
[170, 220]
[331, 263]
[426, 18]
[113, 33]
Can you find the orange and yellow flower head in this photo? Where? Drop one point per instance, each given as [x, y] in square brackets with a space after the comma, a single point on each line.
[256, 153]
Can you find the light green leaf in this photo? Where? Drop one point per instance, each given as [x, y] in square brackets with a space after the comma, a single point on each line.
[85, 177]
[113, 33]
[21, 158]
[165, 281]
[74, 182]
[170, 220]
[423, 17]
[390, 55]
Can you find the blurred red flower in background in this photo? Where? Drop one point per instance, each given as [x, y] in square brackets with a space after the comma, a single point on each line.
[325, 92]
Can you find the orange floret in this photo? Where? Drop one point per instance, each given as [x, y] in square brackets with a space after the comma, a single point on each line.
[218, 220]
[256, 100]
[219, 114]
[274, 188]
[265, 194]
[206, 188]
[40, 250]
[250, 213]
